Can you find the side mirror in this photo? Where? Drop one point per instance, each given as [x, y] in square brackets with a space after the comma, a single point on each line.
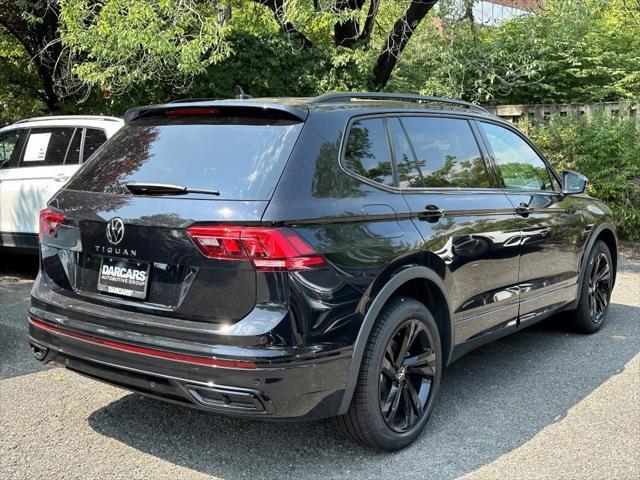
[573, 182]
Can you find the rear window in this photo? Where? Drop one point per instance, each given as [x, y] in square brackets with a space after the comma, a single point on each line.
[240, 157]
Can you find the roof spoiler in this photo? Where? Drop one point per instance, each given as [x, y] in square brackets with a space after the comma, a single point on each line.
[257, 107]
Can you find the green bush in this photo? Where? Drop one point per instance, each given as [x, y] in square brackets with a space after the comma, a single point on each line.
[607, 151]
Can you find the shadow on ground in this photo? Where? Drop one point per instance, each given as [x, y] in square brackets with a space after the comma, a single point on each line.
[17, 273]
[18, 266]
[492, 400]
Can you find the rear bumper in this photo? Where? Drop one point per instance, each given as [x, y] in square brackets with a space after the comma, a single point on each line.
[285, 389]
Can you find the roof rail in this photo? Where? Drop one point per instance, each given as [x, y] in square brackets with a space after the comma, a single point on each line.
[70, 117]
[403, 97]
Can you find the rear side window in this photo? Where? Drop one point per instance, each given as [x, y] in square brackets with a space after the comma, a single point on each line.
[46, 146]
[93, 139]
[9, 148]
[241, 157]
[367, 151]
[447, 153]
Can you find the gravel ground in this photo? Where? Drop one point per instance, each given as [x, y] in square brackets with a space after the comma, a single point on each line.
[543, 403]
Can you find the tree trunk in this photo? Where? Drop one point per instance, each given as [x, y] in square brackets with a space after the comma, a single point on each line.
[347, 33]
[277, 7]
[397, 39]
[370, 22]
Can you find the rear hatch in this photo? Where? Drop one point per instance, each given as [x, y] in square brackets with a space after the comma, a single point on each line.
[124, 239]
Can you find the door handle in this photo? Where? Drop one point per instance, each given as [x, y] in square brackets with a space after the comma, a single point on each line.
[524, 209]
[431, 213]
[61, 177]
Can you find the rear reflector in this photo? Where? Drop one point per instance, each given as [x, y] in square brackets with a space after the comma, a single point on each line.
[270, 249]
[50, 221]
[125, 347]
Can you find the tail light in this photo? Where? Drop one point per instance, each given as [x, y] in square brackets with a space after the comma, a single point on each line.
[270, 249]
[50, 221]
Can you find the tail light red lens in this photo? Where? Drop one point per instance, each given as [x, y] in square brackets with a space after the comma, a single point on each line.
[270, 249]
[50, 222]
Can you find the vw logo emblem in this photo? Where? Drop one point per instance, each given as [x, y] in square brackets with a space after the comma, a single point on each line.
[115, 230]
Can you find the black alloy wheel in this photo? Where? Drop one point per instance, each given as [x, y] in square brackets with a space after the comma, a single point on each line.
[406, 376]
[399, 378]
[595, 291]
[599, 287]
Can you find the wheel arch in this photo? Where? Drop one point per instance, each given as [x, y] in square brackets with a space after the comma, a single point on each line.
[608, 236]
[415, 281]
[607, 233]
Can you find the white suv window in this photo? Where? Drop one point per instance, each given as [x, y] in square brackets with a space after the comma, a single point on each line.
[8, 143]
[73, 152]
[93, 139]
[47, 146]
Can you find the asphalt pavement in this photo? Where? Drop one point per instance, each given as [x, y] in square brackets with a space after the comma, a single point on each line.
[543, 403]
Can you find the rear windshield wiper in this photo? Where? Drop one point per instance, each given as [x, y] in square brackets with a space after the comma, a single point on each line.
[165, 189]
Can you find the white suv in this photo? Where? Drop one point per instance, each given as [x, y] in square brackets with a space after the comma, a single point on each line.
[37, 157]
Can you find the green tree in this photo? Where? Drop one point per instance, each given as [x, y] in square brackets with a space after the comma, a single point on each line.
[568, 51]
[34, 25]
[606, 151]
[122, 45]
[20, 93]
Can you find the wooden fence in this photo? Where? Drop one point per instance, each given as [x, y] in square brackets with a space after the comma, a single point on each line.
[541, 113]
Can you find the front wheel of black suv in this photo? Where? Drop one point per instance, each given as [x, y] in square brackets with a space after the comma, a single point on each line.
[399, 378]
[595, 291]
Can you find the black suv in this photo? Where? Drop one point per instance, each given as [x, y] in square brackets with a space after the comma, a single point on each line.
[300, 258]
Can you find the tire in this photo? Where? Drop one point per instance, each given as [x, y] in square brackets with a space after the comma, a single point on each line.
[410, 384]
[590, 314]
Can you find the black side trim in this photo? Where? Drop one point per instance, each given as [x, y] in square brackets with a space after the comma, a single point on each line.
[381, 298]
[398, 216]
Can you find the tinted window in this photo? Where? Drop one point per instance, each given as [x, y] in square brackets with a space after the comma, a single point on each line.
[367, 151]
[73, 154]
[46, 146]
[9, 147]
[241, 157]
[93, 139]
[408, 172]
[447, 152]
[519, 164]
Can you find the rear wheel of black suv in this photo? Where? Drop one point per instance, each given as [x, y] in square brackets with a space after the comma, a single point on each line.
[595, 291]
[399, 378]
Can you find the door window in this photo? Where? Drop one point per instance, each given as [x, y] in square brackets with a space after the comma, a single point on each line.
[521, 167]
[9, 146]
[367, 152]
[73, 154]
[93, 139]
[409, 174]
[46, 146]
[447, 153]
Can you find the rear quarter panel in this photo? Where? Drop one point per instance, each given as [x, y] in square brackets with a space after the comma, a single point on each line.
[361, 230]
